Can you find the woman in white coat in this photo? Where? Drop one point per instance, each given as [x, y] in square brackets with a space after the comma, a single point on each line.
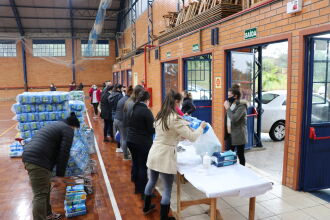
[170, 129]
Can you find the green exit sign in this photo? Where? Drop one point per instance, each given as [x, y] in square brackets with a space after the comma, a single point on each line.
[195, 47]
[168, 54]
[250, 33]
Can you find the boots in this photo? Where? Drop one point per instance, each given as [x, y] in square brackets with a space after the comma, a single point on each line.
[148, 207]
[164, 210]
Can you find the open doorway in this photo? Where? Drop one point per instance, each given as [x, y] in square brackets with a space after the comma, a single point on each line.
[261, 72]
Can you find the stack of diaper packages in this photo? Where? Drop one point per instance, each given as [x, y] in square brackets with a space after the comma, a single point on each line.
[77, 95]
[34, 110]
[79, 108]
[75, 201]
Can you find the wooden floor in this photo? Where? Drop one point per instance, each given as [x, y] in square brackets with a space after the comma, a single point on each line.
[16, 194]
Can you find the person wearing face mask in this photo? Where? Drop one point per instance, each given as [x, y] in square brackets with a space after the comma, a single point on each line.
[50, 147]
[95, 95]
[236, 125]
[170, 127]
[106, 114]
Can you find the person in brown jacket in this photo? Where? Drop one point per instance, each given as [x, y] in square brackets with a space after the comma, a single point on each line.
[170, 128]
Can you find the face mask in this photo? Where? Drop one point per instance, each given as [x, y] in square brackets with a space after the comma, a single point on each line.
[231, 100]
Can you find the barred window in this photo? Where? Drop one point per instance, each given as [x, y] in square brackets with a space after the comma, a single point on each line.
[7, 48]
[101, 49]
[49, 48]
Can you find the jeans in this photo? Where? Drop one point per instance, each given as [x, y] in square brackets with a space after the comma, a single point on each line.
[167, 180]
[95, 105]
[119, 125]
[107, 128]
[40, 182]
[139, 158]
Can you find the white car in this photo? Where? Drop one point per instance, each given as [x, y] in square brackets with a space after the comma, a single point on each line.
[274, 111]
[273, 116]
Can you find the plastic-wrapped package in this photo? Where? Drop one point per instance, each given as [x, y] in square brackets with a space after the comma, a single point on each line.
[33, 117]
[52, 116]
[26, 134]
[40, 108]
[50, 108]
[24, 126]
[16, 149]
[34, 125]
[43, 116]
[62, 115]
[22, 117]
[195, 123]
[77, 95]
[76, 105]
[224, 159]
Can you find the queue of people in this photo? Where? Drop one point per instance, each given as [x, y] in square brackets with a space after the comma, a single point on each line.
[149, 142]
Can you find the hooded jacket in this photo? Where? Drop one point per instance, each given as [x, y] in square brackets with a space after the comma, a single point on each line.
[113, 101]
[50, 146]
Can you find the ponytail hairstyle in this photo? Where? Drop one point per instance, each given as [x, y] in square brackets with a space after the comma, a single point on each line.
[137, 89]
[143, 96]
[168, 108]
[72, 120]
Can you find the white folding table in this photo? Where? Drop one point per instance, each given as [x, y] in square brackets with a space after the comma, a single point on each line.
[215, 182]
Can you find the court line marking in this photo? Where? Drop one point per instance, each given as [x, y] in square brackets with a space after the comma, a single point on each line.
[8, 129]
[105, 176]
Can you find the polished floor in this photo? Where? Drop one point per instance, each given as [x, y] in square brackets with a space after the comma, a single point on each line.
[16, 195]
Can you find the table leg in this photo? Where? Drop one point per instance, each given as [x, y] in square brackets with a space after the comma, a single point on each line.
[178, 196]
[252, 208]
[213, 209]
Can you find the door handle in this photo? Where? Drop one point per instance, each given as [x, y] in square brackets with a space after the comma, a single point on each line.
[312, 135]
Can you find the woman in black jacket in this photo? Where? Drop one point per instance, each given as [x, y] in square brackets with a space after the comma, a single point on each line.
[106, 114]
[188, 106]
[50, 147]
[139, 139]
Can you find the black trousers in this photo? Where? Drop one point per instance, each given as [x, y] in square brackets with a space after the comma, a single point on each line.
[95, 105]
[240, 153]
[139, 165]
[108, 124]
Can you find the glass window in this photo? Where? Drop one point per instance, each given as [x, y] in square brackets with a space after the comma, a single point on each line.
[170, 77]
[7, 48]
[268, 97]
[321, 82]
[101, 49]
[48, 48]
[199, 77]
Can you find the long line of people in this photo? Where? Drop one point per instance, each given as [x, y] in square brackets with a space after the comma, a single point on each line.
[151, 142]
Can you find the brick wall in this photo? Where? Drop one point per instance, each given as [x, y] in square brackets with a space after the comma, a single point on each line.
[44, 71]
[273, 24]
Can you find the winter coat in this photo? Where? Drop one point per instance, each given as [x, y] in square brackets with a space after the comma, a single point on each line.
[238, 124]
[113, 100]
[162, 155]
[120, 108]
[106, 108]
[188, 106]
[140, 126]
[50, 146]
[98, 94]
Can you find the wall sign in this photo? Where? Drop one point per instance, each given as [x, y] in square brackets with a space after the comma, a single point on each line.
[217, 82]
[135, 79]
[250, 33]
[168, 54]
[195, 47]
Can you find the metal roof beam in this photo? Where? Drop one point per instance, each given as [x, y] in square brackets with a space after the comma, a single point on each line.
[58, 18]
[49, 7]
[134, 3]
[18, 19]
[59, 29]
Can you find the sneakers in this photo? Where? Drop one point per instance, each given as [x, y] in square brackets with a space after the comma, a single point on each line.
[119, 150]
[54, 216]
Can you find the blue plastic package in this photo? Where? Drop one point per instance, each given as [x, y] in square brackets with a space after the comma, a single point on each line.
[26, 134]
[195, 123]
[43, 116]
[22, 117]
[224, 159]
[34, 125]
[40, 108]
[32, 117]
[52, 116]
[50, 108]
[24, 126]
